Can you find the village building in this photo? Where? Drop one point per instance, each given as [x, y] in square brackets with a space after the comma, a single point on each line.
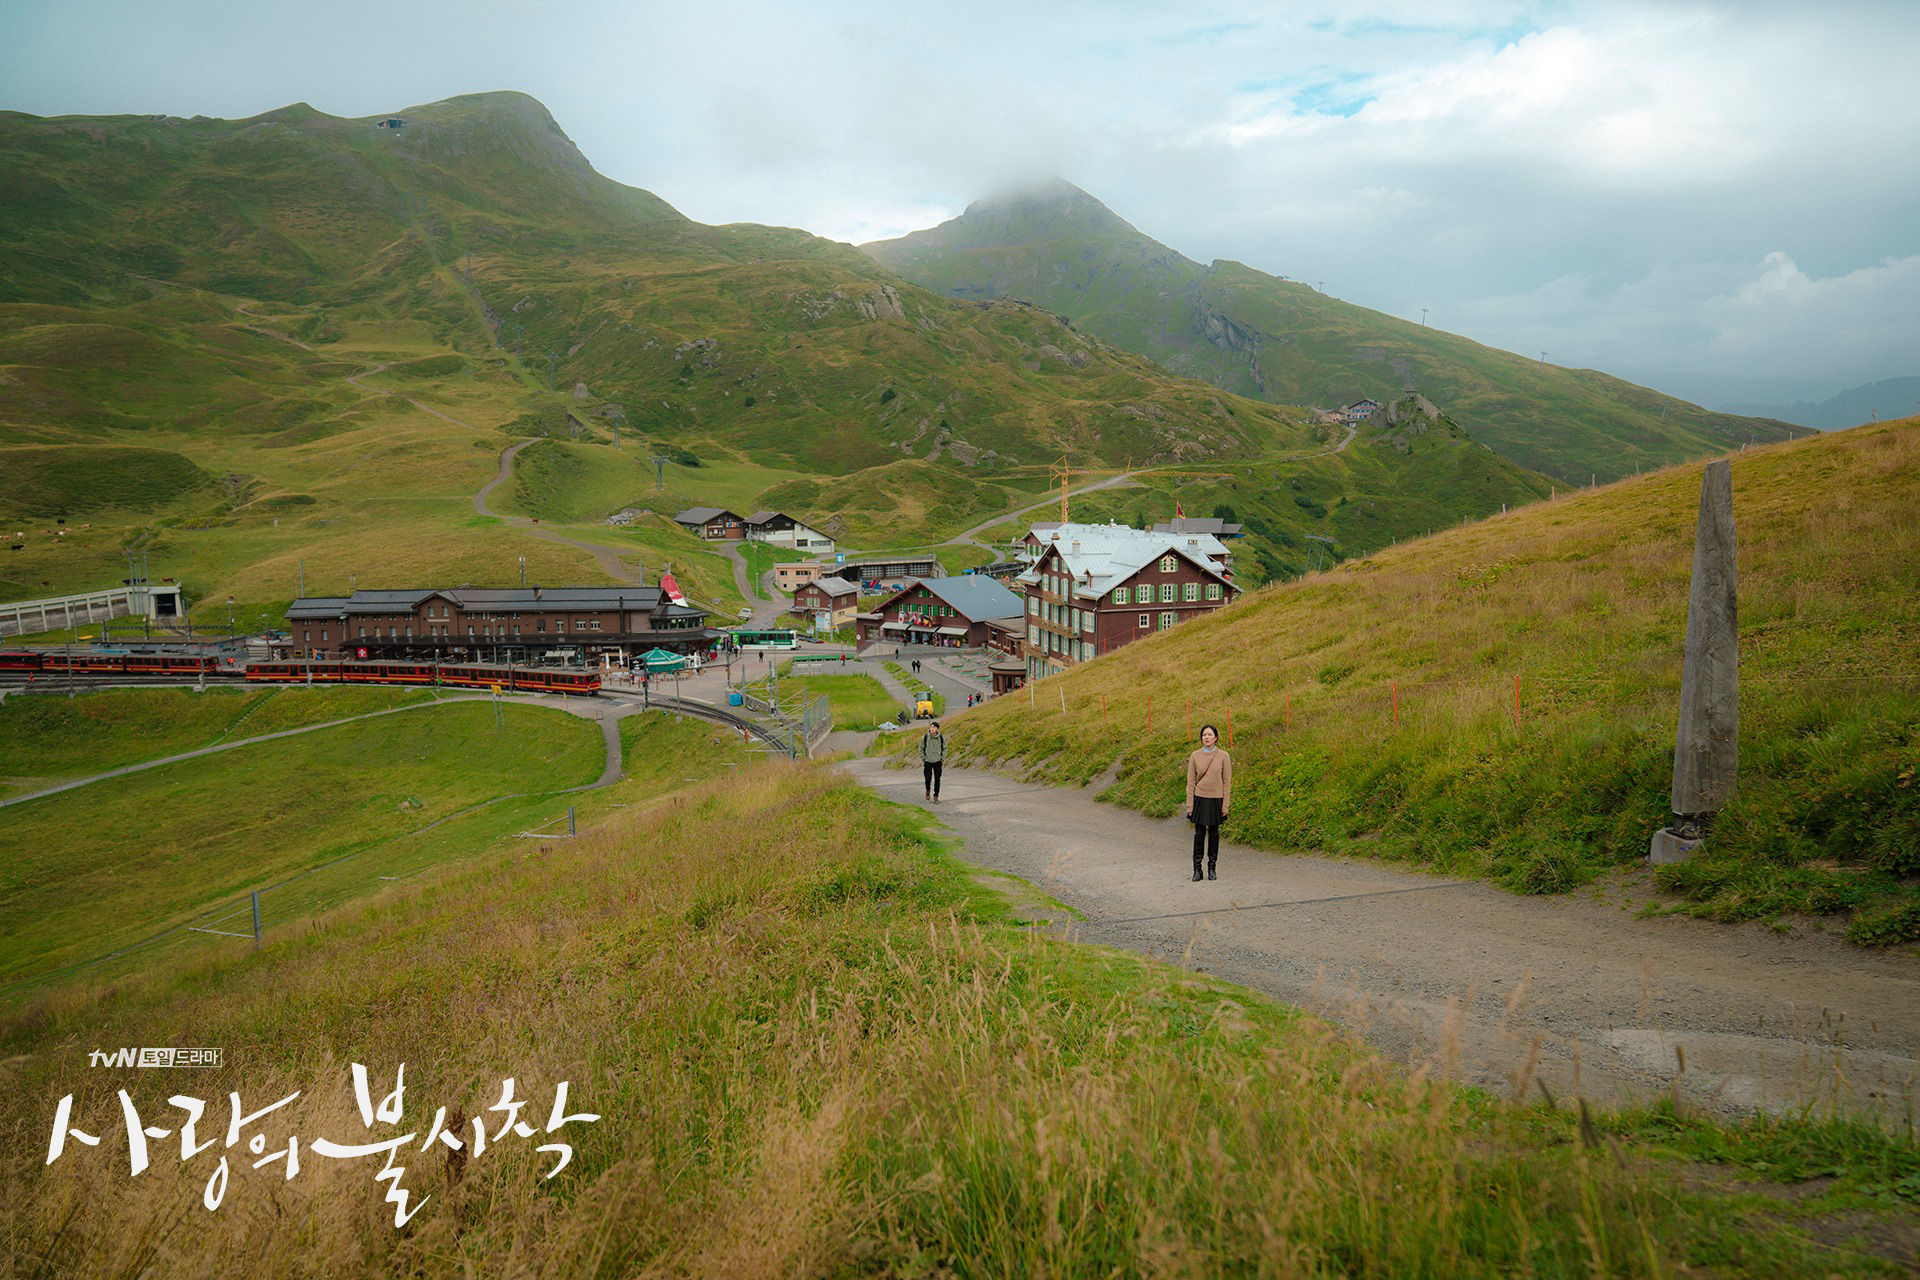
[525, 624]
[833, 602]
[780, 530]
[1358, 411]
[713, 523]
[1098, 587]
[1007, 674]
[1219, 528]
[787, 577]
[1007, 636]
[899, 569]
[950, 613]
[1034, 540]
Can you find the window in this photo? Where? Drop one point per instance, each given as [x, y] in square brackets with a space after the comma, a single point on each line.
[1086, 619]
[323, 633]
[540, 625]
[306, 635]
[516, 628]
[1168, 619]
[1168, 564]
[469, 633]
[1166, 593]
[1145, 621]
[409, 633]
[1033, 634]
[1190, 592]
[1213, 591]
[1120, 595]
[363, 633]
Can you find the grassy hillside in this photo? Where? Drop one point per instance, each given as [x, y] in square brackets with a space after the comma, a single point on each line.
[815, 1046]
[327, 332]
[1373, 708]
[173, 841]
[1402, 477]
[46, 740]
[1279, 340]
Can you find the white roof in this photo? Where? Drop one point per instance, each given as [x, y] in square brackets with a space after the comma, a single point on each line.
[1101, 556]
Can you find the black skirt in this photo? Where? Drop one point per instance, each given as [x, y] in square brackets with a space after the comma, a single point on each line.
[1206, 811]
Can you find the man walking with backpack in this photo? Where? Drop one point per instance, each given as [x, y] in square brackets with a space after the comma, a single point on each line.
[933, 754]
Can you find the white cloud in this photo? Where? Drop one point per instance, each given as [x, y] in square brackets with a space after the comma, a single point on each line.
[1490, 161]
[1703, 330]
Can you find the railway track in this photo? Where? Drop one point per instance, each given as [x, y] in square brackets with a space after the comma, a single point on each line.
[59, 682]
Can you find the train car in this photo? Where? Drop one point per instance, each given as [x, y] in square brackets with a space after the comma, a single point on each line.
[779, 638]
[169, 664]
[460, 675]
[531, 679]
[521, 679]
[112, 662]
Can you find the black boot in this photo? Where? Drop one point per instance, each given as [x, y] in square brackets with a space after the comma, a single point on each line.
[1210, 866]
[1196, 868]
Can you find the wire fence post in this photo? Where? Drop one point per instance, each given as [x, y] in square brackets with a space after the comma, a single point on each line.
[570, 829]
[1063, 699]
[256, 919]
[1189, 702]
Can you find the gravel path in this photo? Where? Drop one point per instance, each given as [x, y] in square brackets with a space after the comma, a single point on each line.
[1464, 976]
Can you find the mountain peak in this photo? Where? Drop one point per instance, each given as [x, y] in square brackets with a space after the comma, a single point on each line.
[1054, 193]
[1029, 213]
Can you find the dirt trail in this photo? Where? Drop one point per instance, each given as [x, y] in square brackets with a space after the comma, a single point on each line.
[1463, 975]
[608, 558]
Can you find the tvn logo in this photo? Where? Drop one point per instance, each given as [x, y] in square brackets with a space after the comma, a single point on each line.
[155, 1057]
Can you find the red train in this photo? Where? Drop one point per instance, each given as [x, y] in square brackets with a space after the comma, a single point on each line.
[465, 675]
[103, 664]
[196, 666]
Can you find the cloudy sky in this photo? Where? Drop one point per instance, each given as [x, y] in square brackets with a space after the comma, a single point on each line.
[1720, 200]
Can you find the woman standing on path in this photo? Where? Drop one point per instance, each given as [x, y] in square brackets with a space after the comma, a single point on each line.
[1209, 793]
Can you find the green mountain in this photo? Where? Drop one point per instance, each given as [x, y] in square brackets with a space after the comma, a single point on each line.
[1278, 340]
[479, 218]
[323, 332]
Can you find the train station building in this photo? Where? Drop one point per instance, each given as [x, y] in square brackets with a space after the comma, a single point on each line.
[590, 625]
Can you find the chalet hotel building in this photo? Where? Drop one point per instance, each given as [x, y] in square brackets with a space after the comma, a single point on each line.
[1095, 587]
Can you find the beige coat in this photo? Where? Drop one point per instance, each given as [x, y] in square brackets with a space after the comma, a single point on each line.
[1210, 773]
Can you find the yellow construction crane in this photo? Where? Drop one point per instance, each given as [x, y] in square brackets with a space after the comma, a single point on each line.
[1061, 473]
